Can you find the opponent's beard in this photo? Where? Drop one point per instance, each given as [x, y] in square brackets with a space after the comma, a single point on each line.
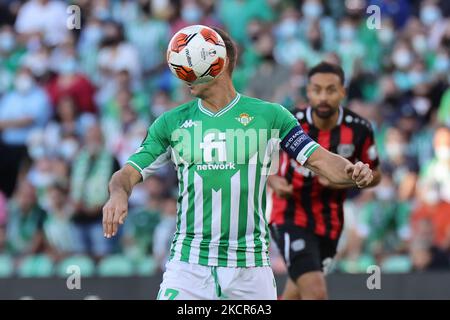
[325, 112]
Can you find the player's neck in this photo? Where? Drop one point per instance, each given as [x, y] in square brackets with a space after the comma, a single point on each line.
[325, 124]
[219, 96]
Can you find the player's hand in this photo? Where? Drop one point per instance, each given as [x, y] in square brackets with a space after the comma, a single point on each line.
[360, 173]
[281, 187]
[114, 213]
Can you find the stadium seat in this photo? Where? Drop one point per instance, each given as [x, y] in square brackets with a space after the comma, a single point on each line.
[358, 265]
[396, 264]
[36, 266]
[146, 266]
[85, 263]
[115, 266]
[6, 266]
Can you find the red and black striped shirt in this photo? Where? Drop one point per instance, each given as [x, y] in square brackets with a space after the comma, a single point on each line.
[313, 206]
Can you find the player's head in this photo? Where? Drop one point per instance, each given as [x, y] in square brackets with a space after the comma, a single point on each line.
[230, 63]
[325, 89]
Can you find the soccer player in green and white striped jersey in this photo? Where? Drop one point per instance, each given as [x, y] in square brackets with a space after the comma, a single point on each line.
[224, 145]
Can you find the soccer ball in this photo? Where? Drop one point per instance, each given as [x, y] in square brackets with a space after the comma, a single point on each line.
[196, 54]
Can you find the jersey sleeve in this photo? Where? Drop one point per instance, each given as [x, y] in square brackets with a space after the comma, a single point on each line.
[154, 152]
[294, 140]
[369, 152]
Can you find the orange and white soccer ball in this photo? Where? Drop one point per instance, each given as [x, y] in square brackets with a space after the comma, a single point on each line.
[196, 54]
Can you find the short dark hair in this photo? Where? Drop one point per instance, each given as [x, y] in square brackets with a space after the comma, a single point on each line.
[231, 48]
[326, 67]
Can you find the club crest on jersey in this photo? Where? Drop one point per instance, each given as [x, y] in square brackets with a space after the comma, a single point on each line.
[244, 119]
[346, 150]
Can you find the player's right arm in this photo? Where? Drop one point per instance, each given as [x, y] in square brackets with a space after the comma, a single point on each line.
[153, 154]
[116, 209]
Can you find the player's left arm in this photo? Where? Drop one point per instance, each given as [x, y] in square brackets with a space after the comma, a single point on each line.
[335, 168]
[309, 153]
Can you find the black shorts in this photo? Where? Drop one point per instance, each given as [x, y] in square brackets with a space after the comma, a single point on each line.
[302, 250]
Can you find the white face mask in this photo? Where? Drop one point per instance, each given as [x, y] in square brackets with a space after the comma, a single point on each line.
[386, 35]
[419, 43]
[68, 149]
[385, 193]
[288, 28]
[431, 196]
[430, 14]
[393, 150]
[442, 153]
[23, 83]
[312, 10]
[402, 58]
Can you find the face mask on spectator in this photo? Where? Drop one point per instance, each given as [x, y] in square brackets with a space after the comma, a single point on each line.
[347, 33]
[431, 196]
[416, 77]
[36, 152]
[288, 28]
[385, 193]
[191, 13]
[312, 10]
[442, 63]
[402, 58]
[40, 179]
[443, 153]
[6, 42]
[93, 34]
[68, 149]
[67, 67]
[158, 109]
[23, 83]
[386, 35]
[429, 14]
[419, 43]
[394, 149]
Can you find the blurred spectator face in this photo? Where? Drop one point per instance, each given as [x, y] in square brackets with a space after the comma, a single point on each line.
[396, 144]
[57, 197]
[387, 33]
[169, 207]
[26, 196]
[312, 9]
[442, 144]
[385, 191]
[402, 56]
[112, 34]
[254, 29]
[419, 43]
[123, 79]
[24, 81]
[160, 104]
[7, 39]
[264, 46]
[288, 26]
[315, 36]
[191, 12]
[347, 31]
[66, 109]
[430, 12]
[94, 140]
[325, 93]
[155, 187]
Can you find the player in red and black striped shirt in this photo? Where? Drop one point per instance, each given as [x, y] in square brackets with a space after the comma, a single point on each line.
[307, 210]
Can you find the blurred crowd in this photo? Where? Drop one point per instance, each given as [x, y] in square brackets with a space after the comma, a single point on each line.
[75, 103]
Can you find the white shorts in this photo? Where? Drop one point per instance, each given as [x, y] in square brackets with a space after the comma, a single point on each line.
[185, 281]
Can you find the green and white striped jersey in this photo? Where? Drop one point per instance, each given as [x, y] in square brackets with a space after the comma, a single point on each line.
[223, 160]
